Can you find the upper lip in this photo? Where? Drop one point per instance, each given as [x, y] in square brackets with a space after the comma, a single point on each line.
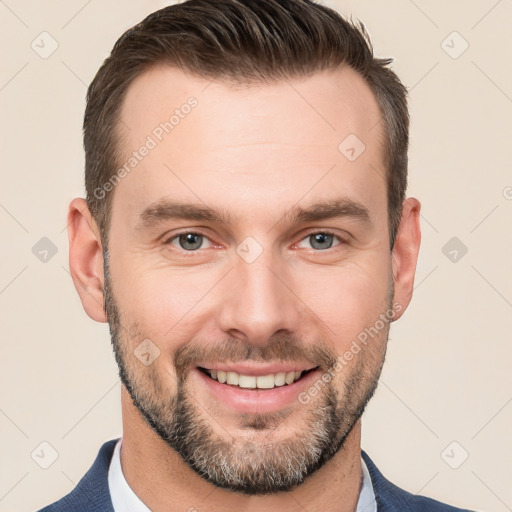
[256, 370]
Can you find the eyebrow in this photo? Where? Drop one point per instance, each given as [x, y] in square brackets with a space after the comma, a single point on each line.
[165, 209]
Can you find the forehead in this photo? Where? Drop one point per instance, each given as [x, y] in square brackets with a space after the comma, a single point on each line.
[244, 146]
[328, 103]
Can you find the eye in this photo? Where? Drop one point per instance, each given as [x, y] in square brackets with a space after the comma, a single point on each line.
[191, 241]
[188, 241]
[321, 240]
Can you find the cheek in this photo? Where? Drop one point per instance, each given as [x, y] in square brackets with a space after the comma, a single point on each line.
[348, 300]
[162, 300]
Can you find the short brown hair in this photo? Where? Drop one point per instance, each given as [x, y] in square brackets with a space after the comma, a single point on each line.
[240, 41]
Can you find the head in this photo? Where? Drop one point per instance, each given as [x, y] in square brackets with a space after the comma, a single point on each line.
[246, 169]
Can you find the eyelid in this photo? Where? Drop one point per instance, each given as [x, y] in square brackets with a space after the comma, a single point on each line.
[175, 236]
[312, 231]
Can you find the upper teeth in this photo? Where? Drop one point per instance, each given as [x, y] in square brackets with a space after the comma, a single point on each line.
[253, 382]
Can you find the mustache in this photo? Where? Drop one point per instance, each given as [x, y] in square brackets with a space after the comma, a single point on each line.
[279, 348]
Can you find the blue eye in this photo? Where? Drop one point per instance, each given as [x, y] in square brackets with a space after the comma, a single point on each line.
[321, 240]
[192, 242]
[188, 241]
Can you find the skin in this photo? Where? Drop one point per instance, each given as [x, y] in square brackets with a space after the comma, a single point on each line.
[254, 153]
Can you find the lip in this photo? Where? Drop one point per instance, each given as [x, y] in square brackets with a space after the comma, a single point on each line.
[257, 370]
[256, 400]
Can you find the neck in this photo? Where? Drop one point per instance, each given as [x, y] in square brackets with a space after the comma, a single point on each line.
[164, 482]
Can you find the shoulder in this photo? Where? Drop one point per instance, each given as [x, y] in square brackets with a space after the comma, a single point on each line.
[92, 493]
[391, 498]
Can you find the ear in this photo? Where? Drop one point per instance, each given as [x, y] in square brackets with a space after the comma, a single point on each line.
[86, 259]
[405, 254]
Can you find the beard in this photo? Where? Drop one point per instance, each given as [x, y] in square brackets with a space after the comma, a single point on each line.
[256, 464]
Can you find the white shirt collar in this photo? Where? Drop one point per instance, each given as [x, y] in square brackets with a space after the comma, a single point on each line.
[124, 499]
[366, 502]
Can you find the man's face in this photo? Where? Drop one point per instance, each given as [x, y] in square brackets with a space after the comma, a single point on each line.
[287, 280]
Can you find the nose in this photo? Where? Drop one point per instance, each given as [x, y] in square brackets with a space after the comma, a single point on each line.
[258, 301]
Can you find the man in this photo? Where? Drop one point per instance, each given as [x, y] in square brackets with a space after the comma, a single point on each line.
[247, 237]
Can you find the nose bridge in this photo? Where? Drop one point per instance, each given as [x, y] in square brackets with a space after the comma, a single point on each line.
[257, 303]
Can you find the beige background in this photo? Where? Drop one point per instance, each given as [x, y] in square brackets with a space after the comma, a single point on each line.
[447, 377]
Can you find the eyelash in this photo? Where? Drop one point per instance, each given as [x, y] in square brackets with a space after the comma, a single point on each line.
[341, 240]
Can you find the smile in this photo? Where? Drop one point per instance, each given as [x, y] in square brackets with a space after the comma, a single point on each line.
[255, 382]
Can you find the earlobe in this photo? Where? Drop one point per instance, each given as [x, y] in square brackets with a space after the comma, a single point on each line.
[86, 259]
[405, 254]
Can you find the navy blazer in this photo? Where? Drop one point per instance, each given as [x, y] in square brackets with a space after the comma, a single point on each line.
[92, 493]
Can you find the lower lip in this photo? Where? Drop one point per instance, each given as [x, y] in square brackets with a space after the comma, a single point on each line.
[258, 400]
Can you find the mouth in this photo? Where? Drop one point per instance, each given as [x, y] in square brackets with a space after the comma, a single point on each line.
[268, 381]
[256, 394]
